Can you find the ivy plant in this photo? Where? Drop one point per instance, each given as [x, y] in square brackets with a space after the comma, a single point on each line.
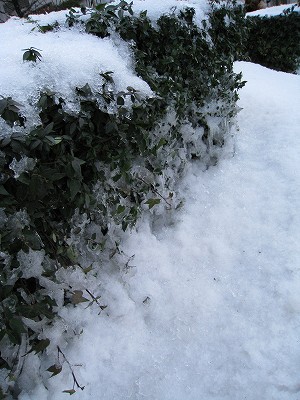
[118, 156]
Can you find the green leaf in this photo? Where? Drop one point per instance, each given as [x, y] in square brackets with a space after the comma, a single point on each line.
[152, 202]
[3, 364]
[76, 165]
[55, 369]
[40, 346]
[120, 209]
[56, 176]
[120, 101]
[36, 310]
[72, 255]
[26, 55]
[75, 187]
[2, 334]
[87, 269]
[70, 391]
[77, 297]
[33, 240]
[111, 127]
[49, 128]
[24, 178]
[17, 325]
[85, 90]
[32, 54]
[100, 7]
[3, 191]
[17, 328]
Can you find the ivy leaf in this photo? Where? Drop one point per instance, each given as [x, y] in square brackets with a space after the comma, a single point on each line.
[100, 7]
[152, 202]
[3, 364]
[70, 391]
[85, 90]
[76, 165]
[77, 297]
[17, 328]
[120, 209]
[55, 369]
[75, 186]
[17, 325]
[33, 239]
[49, 128]
[120, 101]
[3, 191]
[71, 253]
[24, 178]
[40, 346]
[32, 311]
[32, 54]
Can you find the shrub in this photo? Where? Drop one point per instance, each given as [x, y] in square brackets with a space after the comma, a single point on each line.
[274, 41]
[69, 184]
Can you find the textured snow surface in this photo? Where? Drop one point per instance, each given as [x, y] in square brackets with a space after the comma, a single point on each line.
[156, 8]
[70, 58]
[272, 11]
[210, 308]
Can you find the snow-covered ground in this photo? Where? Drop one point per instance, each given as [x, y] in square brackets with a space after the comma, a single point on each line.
[211, 308]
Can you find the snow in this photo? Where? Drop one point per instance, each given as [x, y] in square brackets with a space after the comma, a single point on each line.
[208, 306]
[272, 11]
[70, 58]
[156, 8]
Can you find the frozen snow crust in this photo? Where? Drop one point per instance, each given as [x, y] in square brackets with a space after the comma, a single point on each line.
[99, 121]
[274, 11]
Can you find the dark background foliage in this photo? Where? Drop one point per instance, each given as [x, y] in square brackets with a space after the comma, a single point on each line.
[274, 42]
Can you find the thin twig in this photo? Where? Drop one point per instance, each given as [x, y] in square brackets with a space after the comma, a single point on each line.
[71, 369]
[95, 300]
[154, 190]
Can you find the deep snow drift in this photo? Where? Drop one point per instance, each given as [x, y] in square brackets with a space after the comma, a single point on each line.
[210, 307]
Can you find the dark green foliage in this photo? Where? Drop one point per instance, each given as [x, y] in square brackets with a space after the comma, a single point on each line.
[67, 4]
[228, 30]
[48, 28]
[274, 42]
[105, 16]
[179, 63]
[10, 111]
[70, 153]
[32, 54]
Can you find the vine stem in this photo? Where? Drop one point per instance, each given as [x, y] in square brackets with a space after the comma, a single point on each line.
[75, 381]
[95, 299]
[155, 191]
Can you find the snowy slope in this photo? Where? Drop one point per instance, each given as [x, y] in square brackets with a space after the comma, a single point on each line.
[272, 11]
[210, 309]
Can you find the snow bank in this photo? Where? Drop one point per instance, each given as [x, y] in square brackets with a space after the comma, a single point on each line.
[156, 8]
[70, 58]
[272, 11]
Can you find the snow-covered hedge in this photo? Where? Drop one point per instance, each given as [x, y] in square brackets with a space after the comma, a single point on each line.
[274, 39]
[85, 151]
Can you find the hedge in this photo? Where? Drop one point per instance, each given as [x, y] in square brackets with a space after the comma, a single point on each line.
[274, 41]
